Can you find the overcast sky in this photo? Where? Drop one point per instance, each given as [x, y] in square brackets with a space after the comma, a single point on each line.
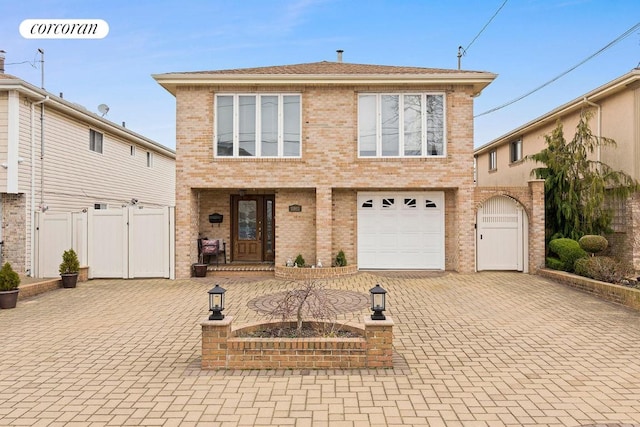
[528, 43]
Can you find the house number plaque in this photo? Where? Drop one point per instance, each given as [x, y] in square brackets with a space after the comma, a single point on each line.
[295, 208]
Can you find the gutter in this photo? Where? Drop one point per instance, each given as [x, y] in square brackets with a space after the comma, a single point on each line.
[32, 258]
[171, 81]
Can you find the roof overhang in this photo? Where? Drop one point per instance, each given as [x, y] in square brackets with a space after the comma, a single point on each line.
[621, 83]
[80, 113]
[170, 81]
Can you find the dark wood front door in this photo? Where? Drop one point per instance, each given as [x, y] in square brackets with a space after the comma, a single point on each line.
[253, 228]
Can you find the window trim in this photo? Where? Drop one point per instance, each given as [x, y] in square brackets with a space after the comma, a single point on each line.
[401, 134]
[92, 141]
[258, 125]
[512, 151]
[493, 160]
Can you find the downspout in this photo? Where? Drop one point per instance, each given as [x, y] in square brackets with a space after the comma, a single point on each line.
[599, 125]
[32, 259]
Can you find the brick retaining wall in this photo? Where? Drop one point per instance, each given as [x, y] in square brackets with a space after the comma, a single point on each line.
[624, 295]
[292, 273]
[223, 349]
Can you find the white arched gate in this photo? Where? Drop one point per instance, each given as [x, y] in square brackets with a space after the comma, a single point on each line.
[501, 240]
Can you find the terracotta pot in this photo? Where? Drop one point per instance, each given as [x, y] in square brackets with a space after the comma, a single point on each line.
[69, 280]
[200, 270]
[9, 299]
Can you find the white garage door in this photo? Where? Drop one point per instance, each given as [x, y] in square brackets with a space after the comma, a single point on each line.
[401, 230]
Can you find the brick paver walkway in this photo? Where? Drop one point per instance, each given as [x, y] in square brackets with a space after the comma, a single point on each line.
[486, 349]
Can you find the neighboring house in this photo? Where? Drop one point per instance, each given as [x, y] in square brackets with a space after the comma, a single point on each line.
[615, 109]
[315, 158]
[56, 157]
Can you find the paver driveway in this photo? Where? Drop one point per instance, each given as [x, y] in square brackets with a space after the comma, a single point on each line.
[472, 350]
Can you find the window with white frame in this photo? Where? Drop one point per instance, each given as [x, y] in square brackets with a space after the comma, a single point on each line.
[516, 151]
[493, 160]
[149, 159]
[95, 141]
[263, 125]
[401, 125]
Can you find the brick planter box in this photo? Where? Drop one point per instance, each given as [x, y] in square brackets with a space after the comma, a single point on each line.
[292, 273]
[223, 349]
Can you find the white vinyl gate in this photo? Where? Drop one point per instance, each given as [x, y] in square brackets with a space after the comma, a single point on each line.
[501, 235]
[127, 243]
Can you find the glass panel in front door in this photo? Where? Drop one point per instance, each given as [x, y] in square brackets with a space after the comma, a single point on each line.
[268, 244]
[247, 220]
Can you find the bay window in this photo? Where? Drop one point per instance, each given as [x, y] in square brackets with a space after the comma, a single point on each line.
[265, 125]
[401, 125]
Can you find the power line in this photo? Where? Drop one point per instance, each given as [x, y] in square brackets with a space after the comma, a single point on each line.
[462, 51]
[610, 44]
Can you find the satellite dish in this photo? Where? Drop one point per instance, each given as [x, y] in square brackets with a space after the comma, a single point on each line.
[103, 108]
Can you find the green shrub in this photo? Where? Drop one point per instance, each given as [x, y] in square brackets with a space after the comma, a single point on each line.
[604, 269]
[568, 251]
[300, 261]
[593, 244]
[9, 279]
[341, 260]
[581, 268]
[70, 263]
[555, 263]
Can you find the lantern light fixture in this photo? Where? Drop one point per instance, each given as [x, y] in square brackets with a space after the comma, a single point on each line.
[216, 302]
[378, 302]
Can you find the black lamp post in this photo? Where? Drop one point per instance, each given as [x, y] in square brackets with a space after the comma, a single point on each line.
[216, 303]
[378, 296]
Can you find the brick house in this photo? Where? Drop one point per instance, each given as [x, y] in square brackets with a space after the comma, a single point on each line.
[615, 108]
[315, 158]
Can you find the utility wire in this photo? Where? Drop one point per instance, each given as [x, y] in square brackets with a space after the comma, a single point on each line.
[513, 101]
[485, 27]
[461, 51]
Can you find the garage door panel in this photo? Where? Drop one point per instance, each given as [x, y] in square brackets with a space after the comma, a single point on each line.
[401, 230]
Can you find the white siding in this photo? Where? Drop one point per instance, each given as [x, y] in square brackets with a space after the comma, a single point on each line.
[75, 177]
[3, 138]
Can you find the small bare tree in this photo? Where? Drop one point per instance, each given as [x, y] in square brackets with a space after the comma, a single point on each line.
[308, 300]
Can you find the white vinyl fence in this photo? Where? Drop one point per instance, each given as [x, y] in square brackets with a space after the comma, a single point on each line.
[132, 242]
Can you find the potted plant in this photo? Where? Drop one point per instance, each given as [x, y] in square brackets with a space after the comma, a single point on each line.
[200, 268]
[69, 269]
[9, 281]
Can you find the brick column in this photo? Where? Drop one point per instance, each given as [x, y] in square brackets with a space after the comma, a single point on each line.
[466, 230]
[324, 226]
[536, 226]
[214, 342]
[379, 335]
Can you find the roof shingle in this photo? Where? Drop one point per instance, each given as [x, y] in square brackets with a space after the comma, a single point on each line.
[333, 68]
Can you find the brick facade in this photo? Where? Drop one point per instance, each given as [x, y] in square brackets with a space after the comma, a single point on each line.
[14, 226]
[531, 199]
[327, 177]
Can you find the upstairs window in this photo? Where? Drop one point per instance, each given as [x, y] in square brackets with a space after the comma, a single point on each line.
[95, 141]
[493, 160]
[149, 159]
[516, 151]
[401, 125]
[267, 125]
